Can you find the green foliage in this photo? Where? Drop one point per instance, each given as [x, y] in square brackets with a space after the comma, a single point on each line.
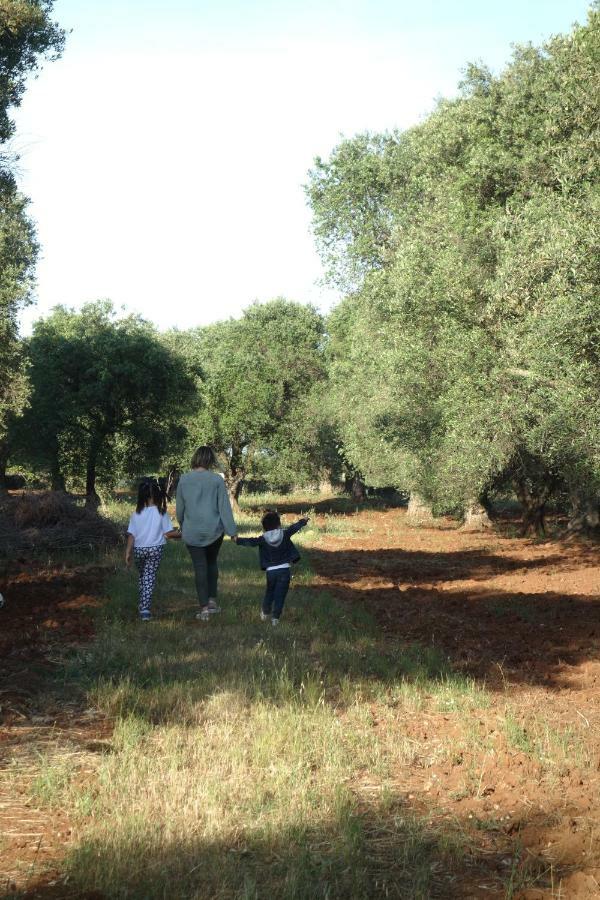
[258, 373]
[466, 353]
[27, 34]
[105, 398]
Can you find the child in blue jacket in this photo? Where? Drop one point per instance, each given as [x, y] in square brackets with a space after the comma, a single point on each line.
[276, 555]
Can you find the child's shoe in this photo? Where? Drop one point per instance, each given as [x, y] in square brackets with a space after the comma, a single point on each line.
[146, 617]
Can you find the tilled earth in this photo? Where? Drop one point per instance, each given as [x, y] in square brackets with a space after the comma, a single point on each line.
[522, 618]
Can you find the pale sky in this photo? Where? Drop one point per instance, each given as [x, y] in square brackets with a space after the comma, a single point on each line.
[165, 153]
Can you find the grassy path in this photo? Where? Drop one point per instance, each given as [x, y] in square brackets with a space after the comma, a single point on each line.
[239, 750]
[323, 759]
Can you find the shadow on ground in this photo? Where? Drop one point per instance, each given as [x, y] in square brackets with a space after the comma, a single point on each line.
[527, 637]
[359, 853]
[46, 609]
[338, 505]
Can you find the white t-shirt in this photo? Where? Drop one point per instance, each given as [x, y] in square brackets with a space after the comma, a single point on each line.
[149, 527]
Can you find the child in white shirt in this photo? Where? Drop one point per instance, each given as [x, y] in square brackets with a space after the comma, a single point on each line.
[149, 527]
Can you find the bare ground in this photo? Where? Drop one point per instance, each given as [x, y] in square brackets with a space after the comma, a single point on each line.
[523, 619]
[46, 612]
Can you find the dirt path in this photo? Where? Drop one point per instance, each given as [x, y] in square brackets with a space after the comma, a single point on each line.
[46, 613]
[523, 619]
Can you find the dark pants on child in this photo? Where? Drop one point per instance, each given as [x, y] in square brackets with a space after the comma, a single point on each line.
[278, 583]
[147, 561]
[206, 570]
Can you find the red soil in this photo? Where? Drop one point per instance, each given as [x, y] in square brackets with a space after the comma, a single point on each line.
[523, 619]
[46, 612]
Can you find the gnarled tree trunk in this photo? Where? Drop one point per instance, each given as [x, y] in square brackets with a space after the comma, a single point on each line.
[234, 489]
[358, 489]
[476, 518]
[534, 507]
[169, 482]
[355, 486]
[584, 513]
[418, 512]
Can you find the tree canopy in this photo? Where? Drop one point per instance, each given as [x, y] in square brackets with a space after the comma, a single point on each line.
[27, 36]
[106, 397]
[258, 373]
[469, 245]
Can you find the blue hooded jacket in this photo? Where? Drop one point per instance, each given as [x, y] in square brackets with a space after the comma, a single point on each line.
[275, 547]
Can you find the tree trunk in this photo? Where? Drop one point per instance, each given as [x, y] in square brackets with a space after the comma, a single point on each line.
[173, 482]
[169, 482]
[358, 489]
[476, 518]
[534, 520]
[92, 500]
[418, 511]
[57, 479]
[584, 514]
[534, 508]
[234, 485]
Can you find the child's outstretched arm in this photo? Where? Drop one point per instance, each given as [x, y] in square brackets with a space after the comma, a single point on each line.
[247, 542]
[301, 523]
[173, 535]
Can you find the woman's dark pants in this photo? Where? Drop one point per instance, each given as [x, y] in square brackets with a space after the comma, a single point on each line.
[278, 582]
[206, 570]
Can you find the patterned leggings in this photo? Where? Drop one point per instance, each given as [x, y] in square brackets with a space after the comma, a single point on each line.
[147, 560]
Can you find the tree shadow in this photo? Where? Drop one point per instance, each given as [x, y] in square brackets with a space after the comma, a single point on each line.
[359, 851]
[337, 505]
[46, 609]
[496, 635]
[422, 566]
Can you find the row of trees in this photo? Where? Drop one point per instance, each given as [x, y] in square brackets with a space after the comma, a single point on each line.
[110, 397]
[91, 398]
[463, 360]
[466, 356]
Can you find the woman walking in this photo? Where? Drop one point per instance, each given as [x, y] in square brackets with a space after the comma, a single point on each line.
[204, 514]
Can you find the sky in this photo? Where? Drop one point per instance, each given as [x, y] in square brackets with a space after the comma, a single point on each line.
[165, 153]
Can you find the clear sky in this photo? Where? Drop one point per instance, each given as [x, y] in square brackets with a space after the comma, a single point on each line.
[165, 153]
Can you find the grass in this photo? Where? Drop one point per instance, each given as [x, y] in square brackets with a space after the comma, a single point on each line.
[248, 762]
[555, 748]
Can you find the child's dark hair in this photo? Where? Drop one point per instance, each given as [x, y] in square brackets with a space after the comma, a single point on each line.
[150, 489]
[271, 520]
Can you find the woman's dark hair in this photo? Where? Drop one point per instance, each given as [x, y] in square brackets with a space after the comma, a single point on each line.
[271, 520]
[150, 489]
[204, 458]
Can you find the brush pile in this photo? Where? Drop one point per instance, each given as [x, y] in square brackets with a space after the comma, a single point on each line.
[51, 521]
